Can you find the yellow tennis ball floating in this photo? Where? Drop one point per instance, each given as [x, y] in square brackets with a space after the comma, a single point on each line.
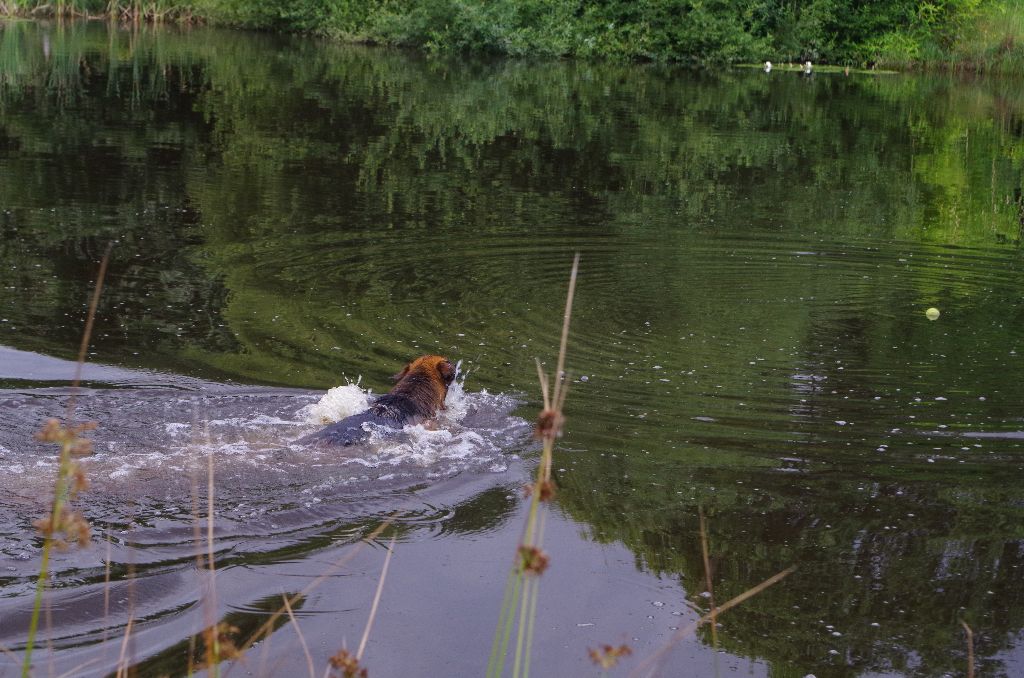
[932, 313]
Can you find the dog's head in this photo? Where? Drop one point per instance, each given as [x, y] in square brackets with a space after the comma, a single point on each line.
[433, 367]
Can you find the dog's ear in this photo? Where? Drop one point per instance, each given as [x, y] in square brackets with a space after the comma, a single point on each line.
[399, 375]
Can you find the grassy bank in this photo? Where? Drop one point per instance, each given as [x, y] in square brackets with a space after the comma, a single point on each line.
[976, 35]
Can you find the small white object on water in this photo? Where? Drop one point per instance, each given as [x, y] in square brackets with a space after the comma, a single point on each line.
[807, 67]
[767, 67]
[932, 313]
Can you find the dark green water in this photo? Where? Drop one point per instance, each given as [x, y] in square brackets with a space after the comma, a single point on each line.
[758, 252]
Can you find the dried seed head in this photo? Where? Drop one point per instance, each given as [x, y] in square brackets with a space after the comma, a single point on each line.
[79, 481]
[532, 560]
[70, 523]
[549, 424]
[51, 432]
[547, 490]
[346, 665]
[45, 526]
[219, 644]
[80, 447]
[71, 481]
[608, 656]
[77, 528]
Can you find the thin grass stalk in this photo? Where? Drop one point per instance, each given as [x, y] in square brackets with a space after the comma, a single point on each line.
[214, 635]
[531, 596]
[651, 664]
[376, 599]
[517, 594]
[44, 563]
[268, 625]
[504, 631]
[122, 666]
[524, 604]
[61, 486]
[522, 588]
[197, 538]
[90, 319]
[106, 595]
[515, 591]
[705, 553]
[543, 384]
[531, 614]
[528, 540]
[566, 317]
[302, 639]
[15, 658]
[77, 670]
[970, 649]
[190, 668]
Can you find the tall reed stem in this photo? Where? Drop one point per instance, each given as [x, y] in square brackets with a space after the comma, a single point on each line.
[60, 491]
[522, 587]
[68, 442]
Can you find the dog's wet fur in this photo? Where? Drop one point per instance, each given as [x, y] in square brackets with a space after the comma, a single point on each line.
[419, 394]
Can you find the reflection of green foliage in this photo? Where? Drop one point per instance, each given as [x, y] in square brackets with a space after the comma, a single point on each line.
[289, 210]
[268, 162]
[889, 567]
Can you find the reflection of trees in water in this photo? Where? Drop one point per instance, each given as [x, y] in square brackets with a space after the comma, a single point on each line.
[892, 551]
[892, 586]
[358, 153]
[275, 199]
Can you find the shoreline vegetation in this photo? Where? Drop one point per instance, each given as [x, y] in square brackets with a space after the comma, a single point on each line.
[978, 36]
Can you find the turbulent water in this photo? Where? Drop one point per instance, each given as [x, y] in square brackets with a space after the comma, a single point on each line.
[162, 436]
[751, 341]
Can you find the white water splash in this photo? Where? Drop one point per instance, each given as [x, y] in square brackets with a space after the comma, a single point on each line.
[336, 404]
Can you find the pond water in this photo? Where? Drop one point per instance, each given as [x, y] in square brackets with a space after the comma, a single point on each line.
[749, 341]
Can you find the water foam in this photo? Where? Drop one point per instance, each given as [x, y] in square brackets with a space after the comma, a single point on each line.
[338, 403]
[447, 443]
[152, 442]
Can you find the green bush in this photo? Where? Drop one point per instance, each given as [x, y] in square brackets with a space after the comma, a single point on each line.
[855, 32]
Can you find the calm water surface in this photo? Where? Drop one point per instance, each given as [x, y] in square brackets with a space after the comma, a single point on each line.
[750, 340]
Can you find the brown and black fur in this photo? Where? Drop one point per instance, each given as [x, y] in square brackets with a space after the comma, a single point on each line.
[418, 395]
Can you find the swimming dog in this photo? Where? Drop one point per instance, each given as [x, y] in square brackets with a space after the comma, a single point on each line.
[419, 394]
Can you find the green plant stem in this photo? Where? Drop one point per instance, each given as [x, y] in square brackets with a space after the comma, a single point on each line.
[531, 537]
[34, 623]
[524, 599]
[514, 594]
[531, 616]
[60, 490]
[504, 631]
[531, 613]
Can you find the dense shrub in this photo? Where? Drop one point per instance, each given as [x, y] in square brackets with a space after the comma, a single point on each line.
[853, 32]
